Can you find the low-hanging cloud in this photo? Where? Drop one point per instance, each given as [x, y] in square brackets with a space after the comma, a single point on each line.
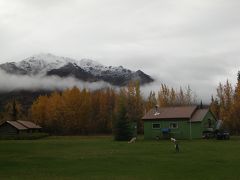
[23, 82]
[194, 43]
[9, 82]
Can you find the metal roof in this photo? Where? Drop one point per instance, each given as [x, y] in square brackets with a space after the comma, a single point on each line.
[179, 112]
[199, 115]
[29, 124]
[16, 125]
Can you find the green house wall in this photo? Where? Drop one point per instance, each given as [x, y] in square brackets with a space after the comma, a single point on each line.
[204, 123]
[183, 130]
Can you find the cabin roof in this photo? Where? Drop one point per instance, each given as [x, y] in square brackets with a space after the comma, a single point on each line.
[199, 115]
[23, 125]
[29, 124]
[16, 125]
[179, 112]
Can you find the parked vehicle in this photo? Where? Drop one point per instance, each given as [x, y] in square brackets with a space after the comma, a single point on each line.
[220, 132]
[222, 135]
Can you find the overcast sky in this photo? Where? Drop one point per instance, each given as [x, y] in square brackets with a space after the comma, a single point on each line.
[179, 42]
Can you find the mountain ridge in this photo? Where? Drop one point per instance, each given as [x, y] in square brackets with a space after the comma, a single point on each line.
[84, 69]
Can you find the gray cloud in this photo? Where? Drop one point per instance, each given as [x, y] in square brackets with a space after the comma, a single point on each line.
[179, 42]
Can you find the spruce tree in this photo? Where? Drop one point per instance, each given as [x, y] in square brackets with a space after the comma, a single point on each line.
[122, 128]
[201, 105]
[14, 111]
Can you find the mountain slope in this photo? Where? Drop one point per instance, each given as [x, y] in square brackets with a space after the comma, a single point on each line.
[72, 70]
[85, 69]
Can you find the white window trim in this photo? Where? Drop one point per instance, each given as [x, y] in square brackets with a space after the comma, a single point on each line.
[156, 128]
[173, 123]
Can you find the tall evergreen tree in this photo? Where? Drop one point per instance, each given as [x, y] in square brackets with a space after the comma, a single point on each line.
[214, 107]
[14, 111]
[201, 105]
[122, 128]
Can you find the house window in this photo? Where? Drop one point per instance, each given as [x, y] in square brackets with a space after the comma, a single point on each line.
[173, 125]
[156, 125]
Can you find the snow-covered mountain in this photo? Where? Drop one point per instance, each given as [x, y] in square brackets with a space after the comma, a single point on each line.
[84, 69]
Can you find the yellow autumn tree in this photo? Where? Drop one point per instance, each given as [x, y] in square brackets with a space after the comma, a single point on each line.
[38, 111]
[235, 110]
[151, 101]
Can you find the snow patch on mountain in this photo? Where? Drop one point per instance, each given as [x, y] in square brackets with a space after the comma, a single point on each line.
[42, 63]
[46, 64]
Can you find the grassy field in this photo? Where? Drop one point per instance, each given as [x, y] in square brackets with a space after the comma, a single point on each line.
[102, 158]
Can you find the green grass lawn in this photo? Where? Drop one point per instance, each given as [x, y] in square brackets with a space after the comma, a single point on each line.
[103, 158]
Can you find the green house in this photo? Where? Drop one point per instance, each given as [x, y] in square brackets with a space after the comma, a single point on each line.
[185, 122]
